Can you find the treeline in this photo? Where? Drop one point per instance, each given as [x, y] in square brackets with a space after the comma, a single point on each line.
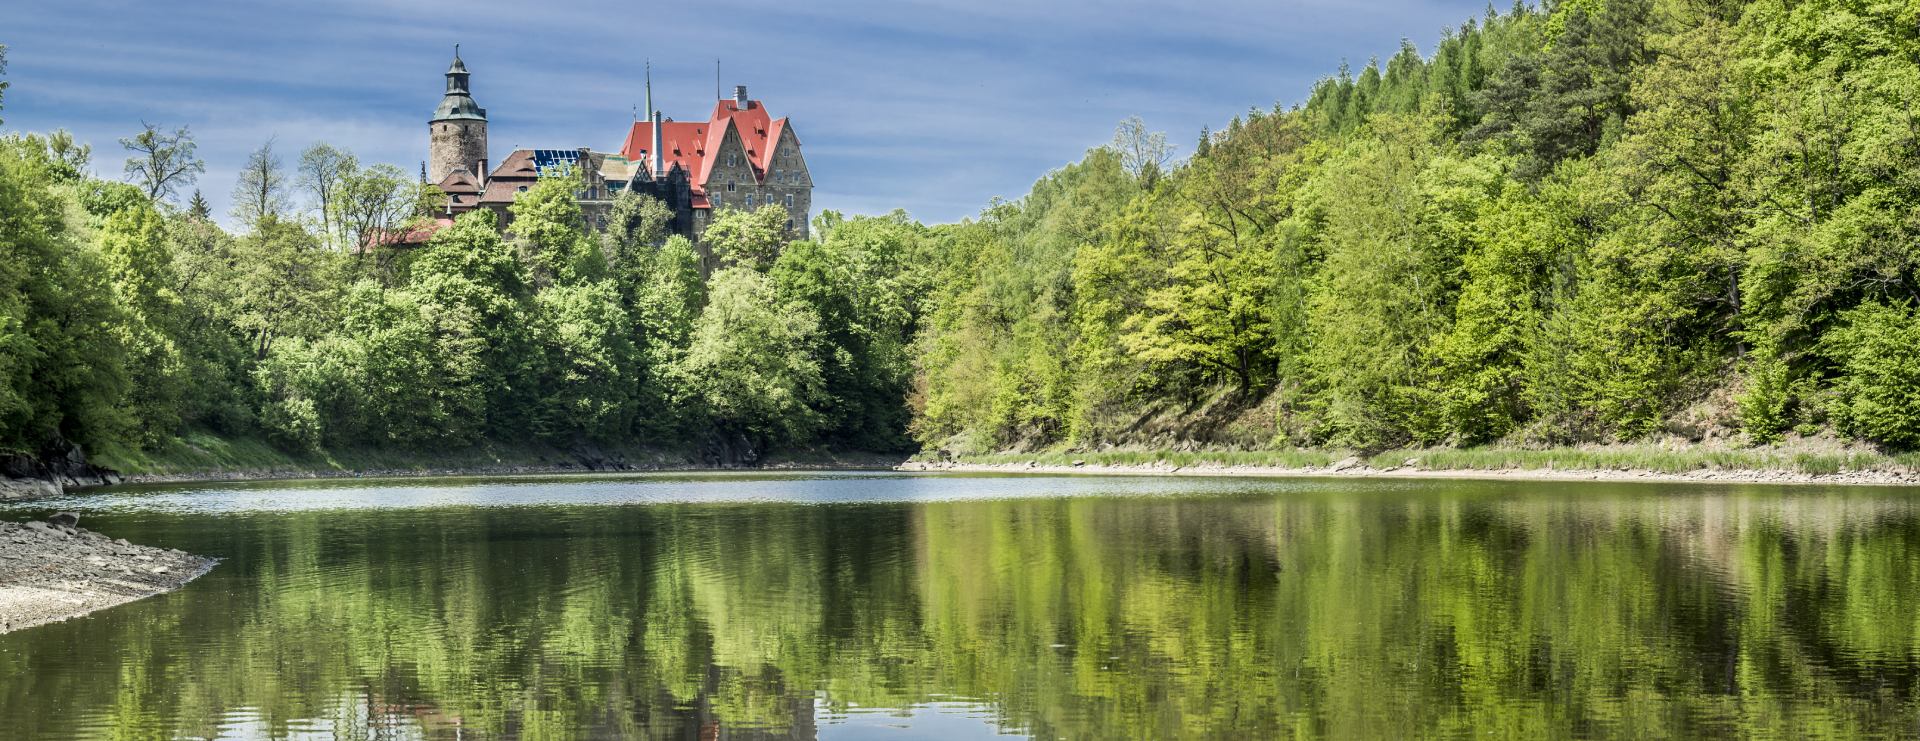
[126, 321]
[1597, 220]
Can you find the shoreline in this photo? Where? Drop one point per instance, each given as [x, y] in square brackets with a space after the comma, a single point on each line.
[211, 477]
[31, 489]
[1345, 470]
[1350, 467]
[52, 571]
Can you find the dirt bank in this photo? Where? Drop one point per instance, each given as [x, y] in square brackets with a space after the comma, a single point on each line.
[1351, 468]
[51, 572]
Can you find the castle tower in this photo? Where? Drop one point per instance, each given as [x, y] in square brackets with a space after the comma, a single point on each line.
[457, 135]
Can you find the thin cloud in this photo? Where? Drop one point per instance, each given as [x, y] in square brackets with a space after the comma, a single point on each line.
[934, 106]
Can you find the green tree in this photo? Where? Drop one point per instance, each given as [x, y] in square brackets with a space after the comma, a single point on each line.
[666, 302]
[135, 251]
[63, 371]
[162, 162]
[323, 170]
[551, 234]
[750, 239]
[1878, 351]
[261, 190]
[749, 363]
[590, 365]
[197, 207]
[464, 314]
[1572, 95]
[637, 224]
[855, 281]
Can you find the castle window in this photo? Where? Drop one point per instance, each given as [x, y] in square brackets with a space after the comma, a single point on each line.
[789, 224]
[789, 200]
[749, 201]
[729, 185]
[732, 160]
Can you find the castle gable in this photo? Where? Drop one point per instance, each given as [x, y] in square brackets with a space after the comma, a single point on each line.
[698, 146]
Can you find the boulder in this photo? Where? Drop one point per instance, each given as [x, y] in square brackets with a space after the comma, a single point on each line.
[64, 519]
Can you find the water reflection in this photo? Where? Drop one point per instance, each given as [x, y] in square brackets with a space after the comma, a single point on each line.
[1253, 609]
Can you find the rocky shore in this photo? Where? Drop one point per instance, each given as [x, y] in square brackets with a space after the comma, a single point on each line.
[54, 570]
[1352, 467]
[49, 473]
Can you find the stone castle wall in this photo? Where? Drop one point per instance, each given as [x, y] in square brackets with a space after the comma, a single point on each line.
[453, 144]
[787, 176]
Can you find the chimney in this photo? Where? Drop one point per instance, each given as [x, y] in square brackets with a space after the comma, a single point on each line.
[481, 176]
[658, 157]
[740, 97]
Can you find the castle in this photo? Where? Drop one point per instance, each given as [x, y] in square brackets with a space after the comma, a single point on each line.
[740, 157]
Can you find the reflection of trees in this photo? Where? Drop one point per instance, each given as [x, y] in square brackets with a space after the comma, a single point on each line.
[1335, 616]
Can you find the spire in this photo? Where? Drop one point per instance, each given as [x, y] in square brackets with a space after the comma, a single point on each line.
[458, 102]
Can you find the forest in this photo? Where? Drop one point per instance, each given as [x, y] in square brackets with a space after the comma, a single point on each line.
[1593, 221]
[1587, 221]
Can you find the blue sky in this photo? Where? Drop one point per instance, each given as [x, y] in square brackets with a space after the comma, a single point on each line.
[935, 106]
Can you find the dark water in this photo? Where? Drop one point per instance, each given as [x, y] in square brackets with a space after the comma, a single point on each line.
[888, 606]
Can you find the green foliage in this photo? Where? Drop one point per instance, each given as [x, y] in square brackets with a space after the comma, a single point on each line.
[1571, 96]
[750, 364]
[162, 162]
[63, 362]
[134, 251]
[586, 337]
[857, 282]
[198, 208]
[750, 239]
[636, 224]
[551, 234]
[667, 298]
[1567, 225]
[1594, 221]
[1877, 350]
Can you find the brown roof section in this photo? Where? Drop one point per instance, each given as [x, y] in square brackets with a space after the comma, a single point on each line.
[460, 181]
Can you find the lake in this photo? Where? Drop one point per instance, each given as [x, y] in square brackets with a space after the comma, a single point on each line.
[883, 605]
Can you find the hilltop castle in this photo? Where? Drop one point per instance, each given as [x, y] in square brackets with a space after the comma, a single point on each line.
[740, 157]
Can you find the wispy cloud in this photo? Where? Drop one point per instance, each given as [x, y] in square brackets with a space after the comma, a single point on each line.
[934, 106]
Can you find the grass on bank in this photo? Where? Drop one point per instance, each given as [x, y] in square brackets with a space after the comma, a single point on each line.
[1609, 458]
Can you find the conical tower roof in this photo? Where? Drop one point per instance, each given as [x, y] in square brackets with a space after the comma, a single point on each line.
[458, 103]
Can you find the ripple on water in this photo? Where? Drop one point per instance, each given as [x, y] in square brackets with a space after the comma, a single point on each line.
[881, 605]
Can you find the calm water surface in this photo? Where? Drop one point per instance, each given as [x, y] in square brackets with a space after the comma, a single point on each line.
[890, 606]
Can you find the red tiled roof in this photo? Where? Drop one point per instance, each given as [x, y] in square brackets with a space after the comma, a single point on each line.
[691, 144]
[417, 234]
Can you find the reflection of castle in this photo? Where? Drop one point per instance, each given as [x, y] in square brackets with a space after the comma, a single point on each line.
[740, 157]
